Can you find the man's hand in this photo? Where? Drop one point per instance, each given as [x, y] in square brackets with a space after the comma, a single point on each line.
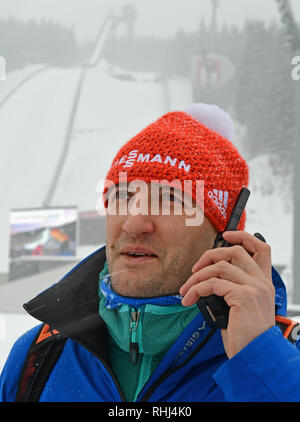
[241, 274]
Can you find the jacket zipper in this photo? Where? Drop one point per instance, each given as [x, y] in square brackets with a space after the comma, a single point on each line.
[135, 348]
[134, 345]
[134, 328]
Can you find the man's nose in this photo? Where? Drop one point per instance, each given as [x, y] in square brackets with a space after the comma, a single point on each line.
[136, 225]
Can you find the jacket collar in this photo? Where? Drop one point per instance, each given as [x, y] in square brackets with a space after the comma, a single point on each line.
[71, 306]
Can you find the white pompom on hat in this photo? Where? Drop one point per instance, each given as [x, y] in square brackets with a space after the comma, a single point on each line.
[213, 117]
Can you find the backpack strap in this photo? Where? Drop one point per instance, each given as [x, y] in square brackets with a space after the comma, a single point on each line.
[289, 328]
[41, 358]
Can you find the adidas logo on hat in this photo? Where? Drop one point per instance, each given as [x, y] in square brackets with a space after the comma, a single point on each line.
[220, 198]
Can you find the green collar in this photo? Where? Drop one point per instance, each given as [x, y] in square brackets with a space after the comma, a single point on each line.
[156, 328]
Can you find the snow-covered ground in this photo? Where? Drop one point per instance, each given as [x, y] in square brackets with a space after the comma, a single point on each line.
[17, 77]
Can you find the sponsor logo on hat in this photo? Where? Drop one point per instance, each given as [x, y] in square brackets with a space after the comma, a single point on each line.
[220, 198]
[135, 156]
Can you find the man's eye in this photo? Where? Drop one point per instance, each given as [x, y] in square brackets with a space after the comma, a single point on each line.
[171, 197]
[122, 195]
[119, 195]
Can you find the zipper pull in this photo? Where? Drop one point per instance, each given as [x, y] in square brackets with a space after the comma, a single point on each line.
[133, 346]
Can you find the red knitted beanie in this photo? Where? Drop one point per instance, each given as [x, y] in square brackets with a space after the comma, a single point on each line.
[188, 145]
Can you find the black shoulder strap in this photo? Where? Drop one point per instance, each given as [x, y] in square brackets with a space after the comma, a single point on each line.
[289, 328]
[40, 360]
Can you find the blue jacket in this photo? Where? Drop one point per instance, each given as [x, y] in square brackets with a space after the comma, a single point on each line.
[267, 369]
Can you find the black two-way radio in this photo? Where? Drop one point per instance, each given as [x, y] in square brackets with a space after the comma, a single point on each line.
[214, 308]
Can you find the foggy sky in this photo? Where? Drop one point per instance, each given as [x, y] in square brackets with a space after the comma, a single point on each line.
[155, 17]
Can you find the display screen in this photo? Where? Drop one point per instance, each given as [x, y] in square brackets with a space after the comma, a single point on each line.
[43, 232]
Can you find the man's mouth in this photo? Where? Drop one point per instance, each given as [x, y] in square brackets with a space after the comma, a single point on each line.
[137, 254]
[138, 258]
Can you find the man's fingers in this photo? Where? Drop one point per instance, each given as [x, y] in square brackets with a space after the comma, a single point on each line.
[259, 250]
[244, 245]
[221, 269]
[213, 286]
[236, 255]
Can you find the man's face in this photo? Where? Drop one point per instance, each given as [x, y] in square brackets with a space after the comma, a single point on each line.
[172, 247]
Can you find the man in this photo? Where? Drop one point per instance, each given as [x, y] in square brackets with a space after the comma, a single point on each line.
[124, 324]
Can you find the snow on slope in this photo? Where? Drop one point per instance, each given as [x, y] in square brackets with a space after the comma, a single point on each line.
[15, 77]
[32, 126]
